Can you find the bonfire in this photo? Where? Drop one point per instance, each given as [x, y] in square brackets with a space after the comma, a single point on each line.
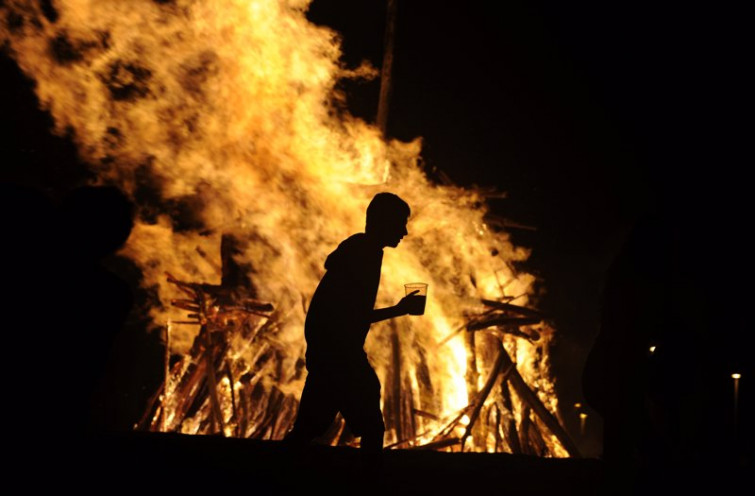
[222, 120]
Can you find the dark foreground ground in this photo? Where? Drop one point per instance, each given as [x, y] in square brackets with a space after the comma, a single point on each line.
[148, 463]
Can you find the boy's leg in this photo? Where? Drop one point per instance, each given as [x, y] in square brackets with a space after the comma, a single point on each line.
[360, 407]
[317, 409]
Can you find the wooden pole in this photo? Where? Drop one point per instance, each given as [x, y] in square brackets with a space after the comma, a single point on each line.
[386, 72]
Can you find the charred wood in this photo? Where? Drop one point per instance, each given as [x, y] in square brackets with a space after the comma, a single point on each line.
[500, 305]
[440, 444]
[536, 440]
[511, 434]
[425, 414]
[502, 321]
[495, 373]
[524, 431]
[530, 398]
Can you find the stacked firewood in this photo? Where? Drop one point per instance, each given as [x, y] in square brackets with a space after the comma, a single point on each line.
[492, 409]
[190, 390]
[212, 390]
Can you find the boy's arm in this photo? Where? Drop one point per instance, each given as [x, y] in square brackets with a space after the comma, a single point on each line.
[397, 310]
[379, 314]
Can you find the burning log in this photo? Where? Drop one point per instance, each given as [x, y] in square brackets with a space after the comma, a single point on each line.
[286, 417]
[407, 407]
[480, 401]
[182, 286]
[200, 380]
[258, 397]
[192, 303]
[249, 306]
[536, 440]
[508, 307]
[496, 413]
[166, 376]
[265, 427]
[524, 431]
[461, 328]
[530, 398]
[188, 389]
[512, 436]
[243, 423]
[454, 422]
[502, 321]
[333, 434]
[451, 335]
[216, 414]
[153, 407]
[210, 180]
[395, 385]
[399, 397]
[264, 412]
[422, 373]
[506, 224]
[443, 443]
[233, 393]
[472, 375]
[429, 415]
[530, 335]
[346, 437]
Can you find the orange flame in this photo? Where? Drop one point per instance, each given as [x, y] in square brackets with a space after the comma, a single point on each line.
[222, 113]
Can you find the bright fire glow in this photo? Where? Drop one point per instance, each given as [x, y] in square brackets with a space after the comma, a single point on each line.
[219, 117]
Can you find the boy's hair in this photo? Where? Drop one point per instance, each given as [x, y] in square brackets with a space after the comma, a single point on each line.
[386, 208]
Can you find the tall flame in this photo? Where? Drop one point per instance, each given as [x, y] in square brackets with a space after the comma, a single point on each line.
[223, 117]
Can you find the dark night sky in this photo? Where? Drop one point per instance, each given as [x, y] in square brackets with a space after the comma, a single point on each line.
[587, 114]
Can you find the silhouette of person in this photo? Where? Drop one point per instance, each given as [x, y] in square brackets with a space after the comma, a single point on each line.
[94, 223]
[340, 378]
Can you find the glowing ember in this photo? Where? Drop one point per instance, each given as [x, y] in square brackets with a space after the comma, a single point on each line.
[217, 117]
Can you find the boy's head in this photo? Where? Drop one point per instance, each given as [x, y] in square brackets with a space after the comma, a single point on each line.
[387, 215]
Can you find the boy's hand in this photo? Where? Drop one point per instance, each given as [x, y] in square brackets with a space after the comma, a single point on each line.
[407, 302]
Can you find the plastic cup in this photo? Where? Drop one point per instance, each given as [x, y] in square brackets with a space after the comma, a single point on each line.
[419, 298]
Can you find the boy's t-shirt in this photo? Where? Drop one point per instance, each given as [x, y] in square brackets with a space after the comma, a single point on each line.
[338, 318]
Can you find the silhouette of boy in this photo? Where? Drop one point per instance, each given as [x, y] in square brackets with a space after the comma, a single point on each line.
[340, 377]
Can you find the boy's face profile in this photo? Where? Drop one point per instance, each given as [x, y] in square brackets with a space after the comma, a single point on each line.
[387, 216]
[395, 231]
